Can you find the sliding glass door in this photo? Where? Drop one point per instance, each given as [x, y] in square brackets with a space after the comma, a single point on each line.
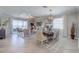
[20, 24]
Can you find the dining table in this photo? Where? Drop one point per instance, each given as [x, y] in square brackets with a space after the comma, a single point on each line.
[49, 35]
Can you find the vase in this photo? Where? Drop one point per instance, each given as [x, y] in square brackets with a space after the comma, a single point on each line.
[73, 37]
[73, 31]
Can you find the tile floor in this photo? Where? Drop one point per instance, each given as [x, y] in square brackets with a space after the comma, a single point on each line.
[16, 44]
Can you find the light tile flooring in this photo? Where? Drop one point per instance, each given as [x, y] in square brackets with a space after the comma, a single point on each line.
[16, 44]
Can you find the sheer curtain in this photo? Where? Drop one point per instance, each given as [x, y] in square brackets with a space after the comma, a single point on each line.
[20, 24]
[58, 23]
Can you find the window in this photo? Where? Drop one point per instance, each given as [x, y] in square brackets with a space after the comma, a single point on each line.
[19, 24]
[58, 23]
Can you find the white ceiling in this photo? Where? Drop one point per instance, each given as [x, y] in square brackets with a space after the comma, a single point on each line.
[24, 11]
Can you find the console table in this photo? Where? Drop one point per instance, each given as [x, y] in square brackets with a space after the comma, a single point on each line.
[2, 33]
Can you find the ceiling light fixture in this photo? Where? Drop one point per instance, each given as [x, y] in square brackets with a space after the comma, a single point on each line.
[50, 16]
[44, 6]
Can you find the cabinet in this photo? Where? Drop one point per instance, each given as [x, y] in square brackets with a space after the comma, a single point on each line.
[2, 33]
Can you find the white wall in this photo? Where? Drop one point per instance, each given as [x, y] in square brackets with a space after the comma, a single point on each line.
[77, 24]
[7, 25]
[68, 20]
